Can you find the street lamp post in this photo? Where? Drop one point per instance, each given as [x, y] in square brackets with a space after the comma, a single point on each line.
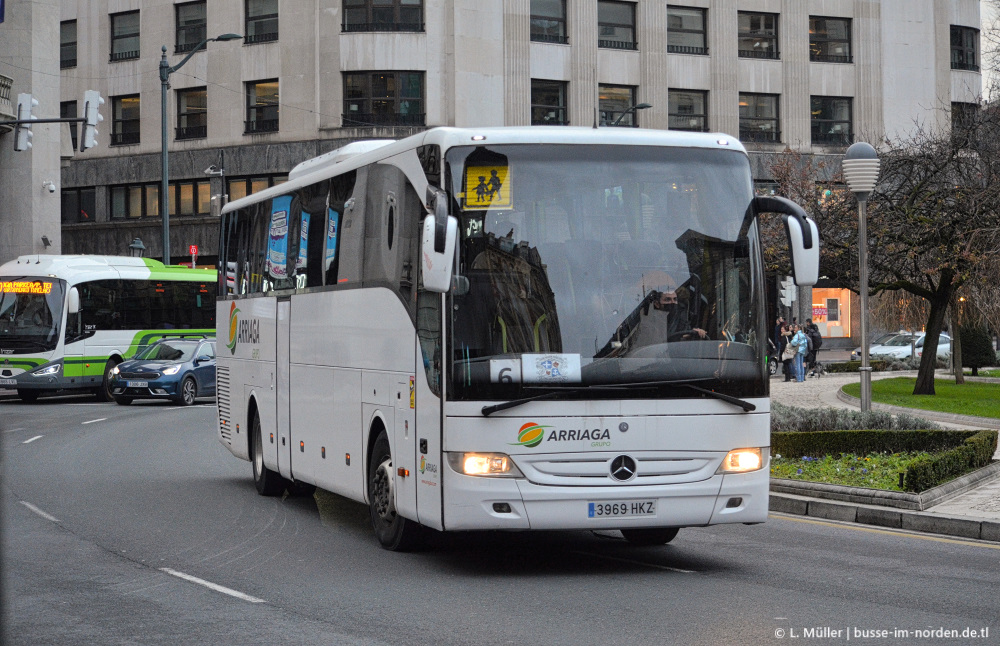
[861, 166]
[136, 249]
[165, 71]
[634, 108]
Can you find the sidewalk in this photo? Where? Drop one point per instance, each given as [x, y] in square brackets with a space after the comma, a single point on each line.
[968, 507]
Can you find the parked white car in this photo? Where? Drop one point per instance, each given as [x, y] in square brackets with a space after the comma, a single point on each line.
[901, 345]
[882, 339]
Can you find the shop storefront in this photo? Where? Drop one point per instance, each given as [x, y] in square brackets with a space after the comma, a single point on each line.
[831, 311]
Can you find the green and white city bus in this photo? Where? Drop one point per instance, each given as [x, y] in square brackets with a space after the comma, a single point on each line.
[67, 321]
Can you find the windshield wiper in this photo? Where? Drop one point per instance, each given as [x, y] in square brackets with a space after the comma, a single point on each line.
[686, 383]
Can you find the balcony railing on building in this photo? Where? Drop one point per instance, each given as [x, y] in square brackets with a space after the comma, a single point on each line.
[192, 132]
[124, 56]
[263, 29]
[383, 26]
[760, 135]
[618, 44]
[7, 109]
[832, 138]
[253, 126]
[687, 49]
[189, 38]
[961, 65]
[124, 138]
[768, 54]
[818, 57]
[364, 119]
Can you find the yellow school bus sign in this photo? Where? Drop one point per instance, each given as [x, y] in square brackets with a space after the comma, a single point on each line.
[487, 187]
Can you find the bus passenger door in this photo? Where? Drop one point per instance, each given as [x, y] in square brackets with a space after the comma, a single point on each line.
[281, 386]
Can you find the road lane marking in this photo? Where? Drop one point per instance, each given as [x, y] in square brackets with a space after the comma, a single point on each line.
[39, 512]
[889, 531]
[14, 430]
[37, 437]
[100, 419]
[212, 586]
[634, 562]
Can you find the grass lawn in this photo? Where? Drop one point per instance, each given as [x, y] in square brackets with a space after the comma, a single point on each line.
[971, 398]
[874, 471]
[984, 372]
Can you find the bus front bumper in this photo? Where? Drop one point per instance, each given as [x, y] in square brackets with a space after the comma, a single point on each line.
[472, 503]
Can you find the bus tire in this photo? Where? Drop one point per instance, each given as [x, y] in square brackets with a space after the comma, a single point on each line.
[189, 391]
[650, 535]
[122, 401]
[393, 532]
[104, 393]
[268, 483]
[27, 396]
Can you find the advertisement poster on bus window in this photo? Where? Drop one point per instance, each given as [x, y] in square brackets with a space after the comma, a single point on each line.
[277, 241]
[331, 238]
[300, 262]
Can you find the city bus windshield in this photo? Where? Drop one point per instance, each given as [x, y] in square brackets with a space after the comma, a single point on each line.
[604, 266]
[30, 313]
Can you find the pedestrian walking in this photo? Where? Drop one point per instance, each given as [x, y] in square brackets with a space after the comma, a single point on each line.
[801, 344]
[816, 341]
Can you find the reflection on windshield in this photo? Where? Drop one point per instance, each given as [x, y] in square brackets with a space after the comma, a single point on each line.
[168, 351]
[604, 265]
[30, 313]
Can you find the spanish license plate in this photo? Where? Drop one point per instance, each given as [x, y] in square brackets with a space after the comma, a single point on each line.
[137, 384]
[621, 509]
[8, 382]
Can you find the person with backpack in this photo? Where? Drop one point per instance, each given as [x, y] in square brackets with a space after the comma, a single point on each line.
[816, 342]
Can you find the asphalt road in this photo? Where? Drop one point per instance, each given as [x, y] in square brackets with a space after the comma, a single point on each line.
[118, 521]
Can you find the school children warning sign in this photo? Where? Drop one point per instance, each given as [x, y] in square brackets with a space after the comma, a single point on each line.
[487, 187]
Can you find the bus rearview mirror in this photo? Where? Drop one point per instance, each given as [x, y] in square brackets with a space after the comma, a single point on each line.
[436, 259]
[802, 233]
[73, 305]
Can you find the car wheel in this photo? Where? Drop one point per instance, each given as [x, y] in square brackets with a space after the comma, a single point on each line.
[122, 401]
[392, 530]
[104, 393]
[189, 391]
[27, 396]
[772, 366]
[268, 483]
[650, 536]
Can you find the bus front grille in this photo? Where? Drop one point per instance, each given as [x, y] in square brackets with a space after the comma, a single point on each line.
[222, 395]
[652, 468]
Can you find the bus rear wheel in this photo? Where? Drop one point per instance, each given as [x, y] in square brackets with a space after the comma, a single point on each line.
[650, 536]
[104, 393]
[393, 532]
[268, 483]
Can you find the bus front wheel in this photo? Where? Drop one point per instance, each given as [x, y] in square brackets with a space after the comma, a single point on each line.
[392, 530]
[269, 483]
[650, 536]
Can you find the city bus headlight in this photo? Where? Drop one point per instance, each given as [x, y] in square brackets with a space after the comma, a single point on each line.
[50, 370]
[744, 460]
[497, 465]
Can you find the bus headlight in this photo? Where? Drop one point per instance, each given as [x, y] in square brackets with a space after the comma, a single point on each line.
[497, 465]
[50, 370]
[744, 460]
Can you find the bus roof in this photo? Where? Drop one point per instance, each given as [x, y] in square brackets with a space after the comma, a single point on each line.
[77, 268]
[449, 137]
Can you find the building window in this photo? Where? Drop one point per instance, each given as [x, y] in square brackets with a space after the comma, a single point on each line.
[262, 107]
[831, 120]
[830, 39]
[383, 99]
[964, 48]
[383, 15]
[242, 186]
[759, 118]
[67, 44]
[262, 21]
[615, 101]
[758, 35]
[78, 205]
[548, 21]
[135, 201]
[190, 22]
[124, 36]
[124, 120]
[548, 103]
[688, 110]
[67, 110]
[192, 113]
[616, 25]
[686, 30]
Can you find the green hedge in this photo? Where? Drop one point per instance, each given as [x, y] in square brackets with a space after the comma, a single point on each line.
[958, 452]
[974, 453]
[878, 365]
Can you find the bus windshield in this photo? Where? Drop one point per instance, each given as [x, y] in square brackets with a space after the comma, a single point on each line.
[30, 313]
[604, 266]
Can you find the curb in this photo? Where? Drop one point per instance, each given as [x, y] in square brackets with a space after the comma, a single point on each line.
[935, 416]
[917, 521]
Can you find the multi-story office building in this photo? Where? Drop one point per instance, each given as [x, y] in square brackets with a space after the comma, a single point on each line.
[311, 75]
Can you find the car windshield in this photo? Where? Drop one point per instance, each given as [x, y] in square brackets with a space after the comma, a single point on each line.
[604, 265]
[885, 338]
[169, 351]
[31, 310]
[900, 340]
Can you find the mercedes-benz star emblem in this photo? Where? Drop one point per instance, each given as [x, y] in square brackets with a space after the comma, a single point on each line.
[623, 468]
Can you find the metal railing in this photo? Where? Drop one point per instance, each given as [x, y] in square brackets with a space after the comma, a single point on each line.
[361, 119]
[769, 54]
[618, 44]
[687, 49]
[7, 108]
[124, 138]
[264, 125]
[191, 132]
[832, 138]
[382, 26]
[829, 58]
[969, 67]
[760, 136]
[124, 56]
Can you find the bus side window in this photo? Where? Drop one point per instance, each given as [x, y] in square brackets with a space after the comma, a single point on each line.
[309, 265]
[343, 222]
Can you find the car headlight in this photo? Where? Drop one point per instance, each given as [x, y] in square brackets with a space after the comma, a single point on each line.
[50, 370]
[496, 465]
[115, 371]
[744, 460]
[172, 370]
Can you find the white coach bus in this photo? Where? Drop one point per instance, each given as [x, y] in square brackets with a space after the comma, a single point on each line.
[508, 328]
[67, 321]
